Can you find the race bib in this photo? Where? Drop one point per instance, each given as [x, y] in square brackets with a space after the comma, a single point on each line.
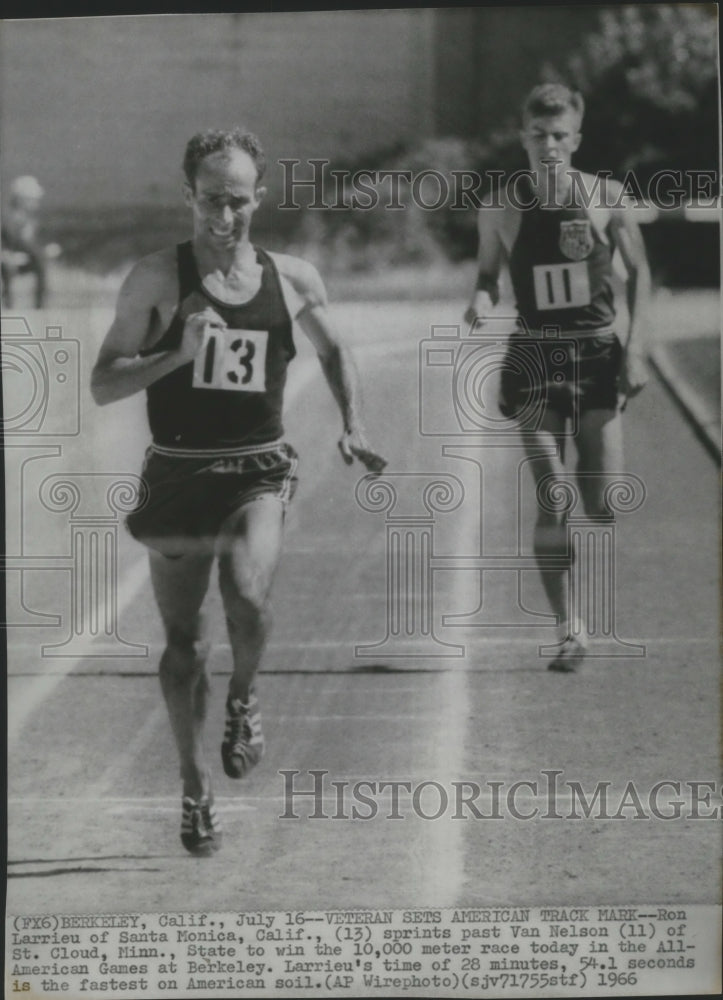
[234, 360]
[561, 286]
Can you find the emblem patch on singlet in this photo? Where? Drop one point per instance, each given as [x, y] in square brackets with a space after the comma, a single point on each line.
[576, 239]
[233, 360]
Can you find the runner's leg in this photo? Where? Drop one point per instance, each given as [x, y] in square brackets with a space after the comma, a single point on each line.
[599, 447]
[248, 548]
[600, 452]
[544, 449]
[180, 585]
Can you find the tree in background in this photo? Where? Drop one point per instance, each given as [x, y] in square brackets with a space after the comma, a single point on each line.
[650, 80]
[649, 77]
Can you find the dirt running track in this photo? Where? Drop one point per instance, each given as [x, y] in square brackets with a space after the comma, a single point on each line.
[93, 784]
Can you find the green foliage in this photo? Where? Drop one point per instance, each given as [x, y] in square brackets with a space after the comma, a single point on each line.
[649, 77]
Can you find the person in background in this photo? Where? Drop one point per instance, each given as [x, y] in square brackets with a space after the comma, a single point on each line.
[206, 329]
[557, 231]
[22, 250]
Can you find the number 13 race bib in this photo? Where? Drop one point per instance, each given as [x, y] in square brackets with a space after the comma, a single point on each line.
[234, 360]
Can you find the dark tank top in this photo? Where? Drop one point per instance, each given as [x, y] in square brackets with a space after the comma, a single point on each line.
[561, 271]
[231, 394]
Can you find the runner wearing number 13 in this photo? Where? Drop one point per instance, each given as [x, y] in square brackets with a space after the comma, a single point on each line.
[558, 229]
[206, 329]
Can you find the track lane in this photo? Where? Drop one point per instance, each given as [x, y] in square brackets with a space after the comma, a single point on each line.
[324, 708]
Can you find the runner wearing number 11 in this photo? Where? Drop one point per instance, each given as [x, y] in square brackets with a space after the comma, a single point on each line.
[206, 328]
[568, 372]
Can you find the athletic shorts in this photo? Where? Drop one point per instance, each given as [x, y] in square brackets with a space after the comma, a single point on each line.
[189, 496]
[569, 374]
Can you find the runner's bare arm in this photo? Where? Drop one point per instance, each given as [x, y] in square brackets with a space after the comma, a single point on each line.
[627, 238]
[489, 262]
[119, 370]
[336, 361]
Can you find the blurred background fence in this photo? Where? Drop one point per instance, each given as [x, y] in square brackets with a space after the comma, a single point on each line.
[99, 109]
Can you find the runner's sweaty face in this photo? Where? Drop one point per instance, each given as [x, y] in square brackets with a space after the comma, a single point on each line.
[550, 141]
[224, 198]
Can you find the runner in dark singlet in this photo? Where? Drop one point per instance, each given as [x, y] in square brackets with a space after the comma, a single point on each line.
[557, 230]
[206, 329]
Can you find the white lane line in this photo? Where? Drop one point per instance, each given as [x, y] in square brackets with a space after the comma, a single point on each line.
[235, 805]
[42, 685]
[348, 644]
[122, 762]
[449, 736]
[296, 644]
[74, 800]
[462, 796]
[489, 640]
[372, 717]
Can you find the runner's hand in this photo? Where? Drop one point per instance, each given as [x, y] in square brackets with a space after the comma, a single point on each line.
[353, 444]
[634, 373]
[194, 330]
[479, 308]
[471, 317]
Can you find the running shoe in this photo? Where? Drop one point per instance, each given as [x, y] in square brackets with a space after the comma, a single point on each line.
[243, 743]
[200, 827]
[571, 655]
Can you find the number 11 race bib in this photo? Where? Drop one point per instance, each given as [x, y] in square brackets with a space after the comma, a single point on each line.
[561, 286]
[234, 360]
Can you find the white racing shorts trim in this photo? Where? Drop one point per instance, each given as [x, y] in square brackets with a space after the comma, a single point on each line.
[238, 451]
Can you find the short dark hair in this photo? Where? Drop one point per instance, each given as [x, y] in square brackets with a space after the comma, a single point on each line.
[215, 140]
[550, 99]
